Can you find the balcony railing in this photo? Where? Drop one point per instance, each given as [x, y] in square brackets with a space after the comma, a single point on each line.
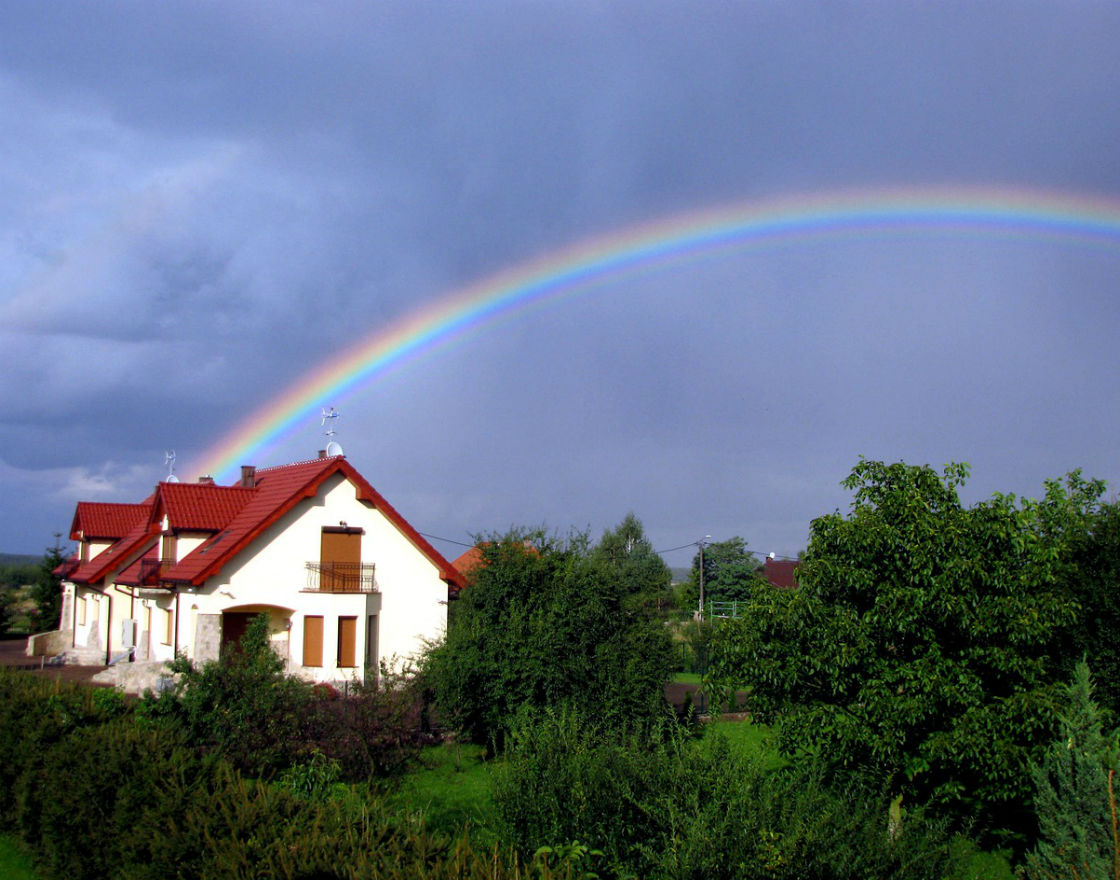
[151, 571]
[340, 577]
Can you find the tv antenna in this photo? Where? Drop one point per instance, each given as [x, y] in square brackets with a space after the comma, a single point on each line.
[169, 463]
[331, 416]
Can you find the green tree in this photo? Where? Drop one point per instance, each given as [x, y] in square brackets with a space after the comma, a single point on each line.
[549, 622]
[1095, 586]
[628, 563]
[731, 573]
[1072, 794]
[924, 641]
[47, 589]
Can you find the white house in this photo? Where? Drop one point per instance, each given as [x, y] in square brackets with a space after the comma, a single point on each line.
[345, 580]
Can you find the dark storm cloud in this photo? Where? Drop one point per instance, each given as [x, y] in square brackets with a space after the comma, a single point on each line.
[202, 201]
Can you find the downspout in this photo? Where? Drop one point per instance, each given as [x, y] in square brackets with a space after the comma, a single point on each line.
[109, 632]
[177, 594]
[74, 618]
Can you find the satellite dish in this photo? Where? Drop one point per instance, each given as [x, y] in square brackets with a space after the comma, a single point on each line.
[333, 449]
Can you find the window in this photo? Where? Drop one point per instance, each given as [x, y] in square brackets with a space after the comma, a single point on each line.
[169, 550]
[82, 611]
[312, 640]
[169, 630]
[347, 641]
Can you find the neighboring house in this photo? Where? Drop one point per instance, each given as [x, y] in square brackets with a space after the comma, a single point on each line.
[781, 573]
[346, 581]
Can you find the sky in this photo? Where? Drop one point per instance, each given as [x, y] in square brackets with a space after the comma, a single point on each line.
[203, 202]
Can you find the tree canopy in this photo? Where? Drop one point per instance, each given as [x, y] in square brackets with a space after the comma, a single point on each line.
[549, 622]
[731, 573]
[926, 638]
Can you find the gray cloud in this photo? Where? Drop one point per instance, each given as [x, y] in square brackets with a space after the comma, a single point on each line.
[203, 201]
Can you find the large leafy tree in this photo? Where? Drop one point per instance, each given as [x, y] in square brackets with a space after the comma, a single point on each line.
[926, 638]
[550, 622]
[1095, 586]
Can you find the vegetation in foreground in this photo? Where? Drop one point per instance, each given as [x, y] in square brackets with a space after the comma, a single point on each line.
[919, 677]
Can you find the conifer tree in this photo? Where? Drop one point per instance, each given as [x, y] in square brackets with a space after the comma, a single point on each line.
[1072, 795]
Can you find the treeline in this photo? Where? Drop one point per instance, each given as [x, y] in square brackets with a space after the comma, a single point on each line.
[31, 578]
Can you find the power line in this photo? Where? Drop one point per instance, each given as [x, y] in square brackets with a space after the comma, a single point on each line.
[448, 540]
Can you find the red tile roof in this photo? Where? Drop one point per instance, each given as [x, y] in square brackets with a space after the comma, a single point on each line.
[120, 553]
[199, 507]
[277, 491]
[95, 520]
[237, 515]
[466, 563]
[133, 576]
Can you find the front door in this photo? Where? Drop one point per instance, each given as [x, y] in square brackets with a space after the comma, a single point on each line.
[234, 624]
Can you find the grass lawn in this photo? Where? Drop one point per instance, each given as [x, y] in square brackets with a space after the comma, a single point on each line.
[757, 739]
[451, 788]
[686, 678]
[14, 863]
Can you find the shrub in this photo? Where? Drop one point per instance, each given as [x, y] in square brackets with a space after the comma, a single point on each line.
[662, 805]
[103, 796]
[546, 623]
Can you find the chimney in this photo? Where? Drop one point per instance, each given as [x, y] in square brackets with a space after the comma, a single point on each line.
[206, 480]
[248, 476]
[322, 453]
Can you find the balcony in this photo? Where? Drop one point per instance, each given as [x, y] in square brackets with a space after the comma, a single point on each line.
[340, 577]
[151, 571]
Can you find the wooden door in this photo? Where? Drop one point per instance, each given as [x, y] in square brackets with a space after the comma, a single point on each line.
[234, 624]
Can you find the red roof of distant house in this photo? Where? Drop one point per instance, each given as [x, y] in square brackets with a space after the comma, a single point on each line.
[95, 520]
[466, 563]
[781, 573]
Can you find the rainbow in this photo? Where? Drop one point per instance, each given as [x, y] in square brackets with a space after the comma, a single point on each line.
[780, 221]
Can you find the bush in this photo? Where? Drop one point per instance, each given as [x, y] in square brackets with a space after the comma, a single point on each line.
[102, 796]
[662, 805]
[545, 623]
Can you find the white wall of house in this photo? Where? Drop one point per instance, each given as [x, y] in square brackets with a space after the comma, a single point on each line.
[409, 606]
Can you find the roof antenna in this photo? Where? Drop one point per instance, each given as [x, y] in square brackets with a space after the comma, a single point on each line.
[330, 416]
[169, 462]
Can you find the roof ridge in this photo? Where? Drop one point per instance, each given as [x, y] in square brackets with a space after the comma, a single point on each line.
[277, 467]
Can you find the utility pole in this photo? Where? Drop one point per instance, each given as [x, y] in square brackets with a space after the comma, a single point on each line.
[702, 543]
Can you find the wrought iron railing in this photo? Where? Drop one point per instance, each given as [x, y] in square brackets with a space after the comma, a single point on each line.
[151, 571]
[340, 577]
